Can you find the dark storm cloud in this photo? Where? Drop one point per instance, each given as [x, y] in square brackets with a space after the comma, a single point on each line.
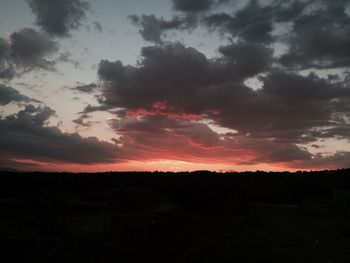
[175, 82]
[26, 134]
[192, 5]
[81, 120]
[89, 108]
[178, 81]
[176, 74]
[58, 17]
[4, 48]
[288, 107]
[247, 59]
[320, 39]
[164, 101]
[26, 50]
[296, 87]
[8, 95]
[285, 108]
[86, 88]
[29, 49]
[285, 11]
[335, 161]
[7, 72]
[256, 20]
[152, 28]
[164, 72]
[338, 131]
[253, 22]
[6, 69]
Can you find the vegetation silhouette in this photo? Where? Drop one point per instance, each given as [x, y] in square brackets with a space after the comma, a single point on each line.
[197, 216]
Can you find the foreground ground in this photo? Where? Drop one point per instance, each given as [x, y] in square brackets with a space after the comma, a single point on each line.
[183, 217]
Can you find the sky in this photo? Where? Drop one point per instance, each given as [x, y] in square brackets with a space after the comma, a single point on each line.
[174, 85]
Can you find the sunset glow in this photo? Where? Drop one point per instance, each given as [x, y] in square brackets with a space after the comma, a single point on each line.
[174, 85]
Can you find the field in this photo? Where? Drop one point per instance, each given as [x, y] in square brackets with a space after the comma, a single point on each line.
[175, 217]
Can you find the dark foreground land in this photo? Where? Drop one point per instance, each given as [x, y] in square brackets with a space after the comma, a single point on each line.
[184, 217]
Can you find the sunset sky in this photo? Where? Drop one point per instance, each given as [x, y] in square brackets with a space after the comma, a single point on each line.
[174, 85]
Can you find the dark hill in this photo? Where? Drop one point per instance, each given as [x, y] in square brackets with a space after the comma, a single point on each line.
[175, 217]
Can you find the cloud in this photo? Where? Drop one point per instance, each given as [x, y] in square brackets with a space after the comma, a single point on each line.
[247, 59]
[253, 22]
[315, 32]
[26, 50]
[27, 135]
[6, 69]
[8, 95]
[288, 107]
[172, 103]
[335, 161]
[295, 87]
[158, 137]
[192, 5]
[4, 48]
[58, 17]
[66, 57]
[152, 28]
[98, 27]
[89, 108]
[176, 74]
[285, 11]
[320, 39]
[29, 48]
[86, 88]
[256, 20]
[7, 72]
[173, 75]
[174, 82]
[81, 120]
